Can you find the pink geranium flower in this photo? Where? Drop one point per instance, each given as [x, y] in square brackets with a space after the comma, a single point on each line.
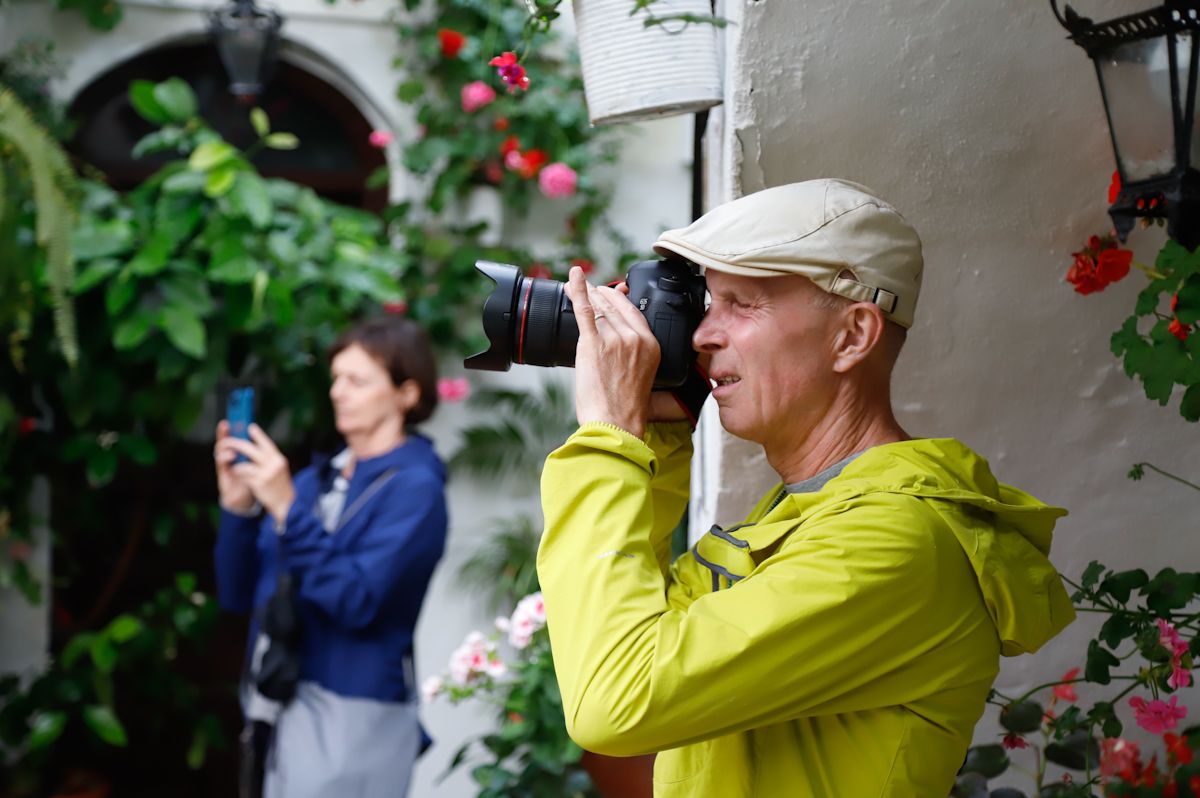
[557, 180]
[453, 389]
[1117, 756]
[380, 138]
[1157, 716]
[1170, 638]
[476, 95]
[1180, 676]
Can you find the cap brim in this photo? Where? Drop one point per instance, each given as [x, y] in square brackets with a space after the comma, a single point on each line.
[706, 262]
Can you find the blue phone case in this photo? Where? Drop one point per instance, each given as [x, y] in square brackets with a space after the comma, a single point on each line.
[239, 412]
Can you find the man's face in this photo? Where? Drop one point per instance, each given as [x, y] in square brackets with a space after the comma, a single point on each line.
[771, 345]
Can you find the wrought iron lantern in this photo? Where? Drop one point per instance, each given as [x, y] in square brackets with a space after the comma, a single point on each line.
[1147, 65]
[247, 38]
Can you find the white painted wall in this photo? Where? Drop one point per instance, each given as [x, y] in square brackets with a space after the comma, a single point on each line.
[985, 128]
[351, 44]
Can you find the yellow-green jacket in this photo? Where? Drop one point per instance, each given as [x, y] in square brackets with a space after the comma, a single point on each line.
[839, 644]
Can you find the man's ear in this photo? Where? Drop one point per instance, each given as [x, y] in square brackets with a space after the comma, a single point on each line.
[860, 330]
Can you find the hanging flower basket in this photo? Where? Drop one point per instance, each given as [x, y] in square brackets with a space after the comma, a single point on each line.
[633, 72]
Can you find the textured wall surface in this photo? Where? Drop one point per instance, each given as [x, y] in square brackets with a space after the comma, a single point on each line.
[985, 128]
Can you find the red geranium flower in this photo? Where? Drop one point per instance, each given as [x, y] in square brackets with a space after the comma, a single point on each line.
[500, 124]
[539, 270]
[451, 40]
[1178, 749]
[1113, 264]
[26, 425]
[583, 263]
[1179, 329]
[510, 144]
[1114, 188]
[1099, 263]
[1013, 740]
[512, 73]
[395, 308]
[1067, 691]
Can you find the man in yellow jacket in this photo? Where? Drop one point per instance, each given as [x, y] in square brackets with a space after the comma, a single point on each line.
[842, 640]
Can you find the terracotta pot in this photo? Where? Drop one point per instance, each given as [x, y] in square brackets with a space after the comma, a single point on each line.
[619, 776]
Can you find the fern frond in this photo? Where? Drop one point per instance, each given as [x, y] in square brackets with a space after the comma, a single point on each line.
[53, 181]
[504, 569]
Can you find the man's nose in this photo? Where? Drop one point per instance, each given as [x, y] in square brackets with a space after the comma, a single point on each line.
[708, 337]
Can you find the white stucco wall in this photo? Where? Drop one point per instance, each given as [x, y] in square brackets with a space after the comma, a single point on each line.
[985, 128]
[351, 45]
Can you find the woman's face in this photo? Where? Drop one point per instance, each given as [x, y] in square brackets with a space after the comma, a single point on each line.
[363, 396]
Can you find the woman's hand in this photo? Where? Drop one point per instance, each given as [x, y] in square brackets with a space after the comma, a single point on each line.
[235, 495]
[616, 358]
[266, 474]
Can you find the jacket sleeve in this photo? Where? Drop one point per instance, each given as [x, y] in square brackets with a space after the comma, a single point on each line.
[235, 558]
[404, 539]
[671, 444]
[833, 622]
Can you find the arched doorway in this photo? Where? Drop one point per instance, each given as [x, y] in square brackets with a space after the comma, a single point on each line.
[334, 158]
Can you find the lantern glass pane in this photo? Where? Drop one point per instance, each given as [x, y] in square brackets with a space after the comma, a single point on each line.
[1137, 92]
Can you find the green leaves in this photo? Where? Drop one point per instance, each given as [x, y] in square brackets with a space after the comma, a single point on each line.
[988, 761]
[260, 122]
[104, 724]
[248, 197]
[170, 101]
[185, 331]
[282, 141]
[1157, 357]
[1022, 717]
[1121, 586]
[1099, 663]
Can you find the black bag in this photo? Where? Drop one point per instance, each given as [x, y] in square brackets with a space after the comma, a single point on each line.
[255, 743]
[279, 672]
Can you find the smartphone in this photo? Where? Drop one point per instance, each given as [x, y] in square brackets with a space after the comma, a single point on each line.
[239, 412]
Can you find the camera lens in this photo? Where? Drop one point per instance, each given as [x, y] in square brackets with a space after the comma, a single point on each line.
[527, 320]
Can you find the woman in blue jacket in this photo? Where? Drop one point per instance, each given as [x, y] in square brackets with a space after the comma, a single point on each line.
[359, 534]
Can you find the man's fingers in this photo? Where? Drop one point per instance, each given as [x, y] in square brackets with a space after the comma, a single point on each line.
[579, 292]
[621, 311]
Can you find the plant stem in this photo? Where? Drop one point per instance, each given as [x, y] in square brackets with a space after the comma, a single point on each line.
[1167, 474]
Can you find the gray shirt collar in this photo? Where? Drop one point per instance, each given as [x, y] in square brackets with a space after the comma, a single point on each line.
[815, 483]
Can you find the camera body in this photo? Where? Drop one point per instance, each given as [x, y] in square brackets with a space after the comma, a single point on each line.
[531, 320]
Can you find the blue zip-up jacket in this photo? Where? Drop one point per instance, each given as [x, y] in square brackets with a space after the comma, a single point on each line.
[360, 588]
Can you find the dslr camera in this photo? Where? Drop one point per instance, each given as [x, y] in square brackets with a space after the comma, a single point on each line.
[531, 321]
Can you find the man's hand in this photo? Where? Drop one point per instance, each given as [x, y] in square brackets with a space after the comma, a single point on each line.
[266, 474]
[616, 358]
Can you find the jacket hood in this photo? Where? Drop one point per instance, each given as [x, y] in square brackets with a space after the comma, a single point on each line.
[1004, 531]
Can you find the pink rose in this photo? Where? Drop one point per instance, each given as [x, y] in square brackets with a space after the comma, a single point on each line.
[557, 180]
[476, 95]
[380, 138]
[452, 389]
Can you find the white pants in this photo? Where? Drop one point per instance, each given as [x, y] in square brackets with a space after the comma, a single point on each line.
[330, 746]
